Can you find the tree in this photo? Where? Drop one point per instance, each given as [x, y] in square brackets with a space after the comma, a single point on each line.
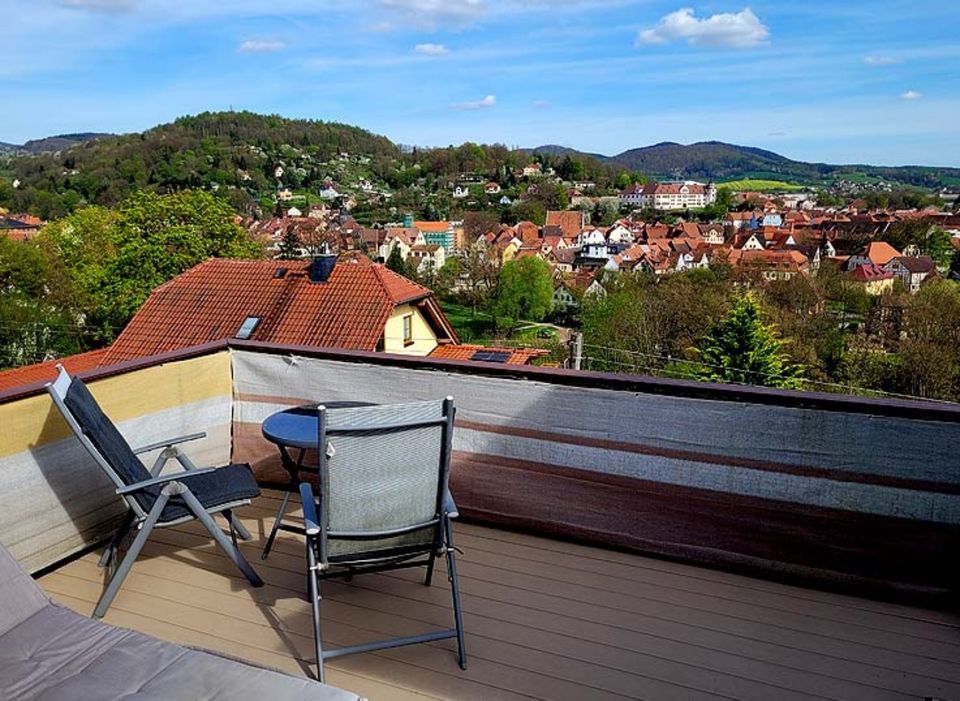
[477, 224]
[741, 348]
[290, 244]
[115, 258]
[396, 263]
[525, 290]
[529, 210]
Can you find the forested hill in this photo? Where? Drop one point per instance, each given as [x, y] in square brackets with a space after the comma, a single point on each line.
[237, 151]
[50, 143]
[718, 161]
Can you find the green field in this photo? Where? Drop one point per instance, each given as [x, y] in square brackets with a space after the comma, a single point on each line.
[761, 185]
[469, 325]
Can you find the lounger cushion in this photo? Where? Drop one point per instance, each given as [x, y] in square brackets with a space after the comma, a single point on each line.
[50, 653]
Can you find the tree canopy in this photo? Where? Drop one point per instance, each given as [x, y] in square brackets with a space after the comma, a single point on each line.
[524, 290]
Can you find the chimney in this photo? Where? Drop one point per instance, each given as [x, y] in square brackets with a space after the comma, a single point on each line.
[321, 266]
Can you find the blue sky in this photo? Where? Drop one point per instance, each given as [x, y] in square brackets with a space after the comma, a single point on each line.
[835, 81]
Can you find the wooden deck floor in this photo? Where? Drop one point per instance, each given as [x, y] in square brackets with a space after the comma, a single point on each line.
[544, 619]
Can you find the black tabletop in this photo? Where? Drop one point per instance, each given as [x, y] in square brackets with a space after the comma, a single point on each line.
[297, 427]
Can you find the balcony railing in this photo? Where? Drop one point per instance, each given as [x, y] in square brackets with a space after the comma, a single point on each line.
[839, 490]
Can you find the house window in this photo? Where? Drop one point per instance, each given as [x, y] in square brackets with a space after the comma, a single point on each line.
[248, 326]
[408, 330]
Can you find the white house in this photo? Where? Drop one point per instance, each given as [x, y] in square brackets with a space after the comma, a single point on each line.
[912, 270]
[329, 192]
[461, 191]
[712, 234]
[672, 195]
[620, 234]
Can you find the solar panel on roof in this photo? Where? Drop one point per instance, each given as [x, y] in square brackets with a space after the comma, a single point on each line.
[491, 356]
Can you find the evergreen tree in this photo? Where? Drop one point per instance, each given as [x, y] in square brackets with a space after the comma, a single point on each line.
[290, 244]
[396, 263]
[741, 348]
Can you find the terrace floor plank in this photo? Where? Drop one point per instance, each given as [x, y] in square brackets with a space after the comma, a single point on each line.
[545, 619]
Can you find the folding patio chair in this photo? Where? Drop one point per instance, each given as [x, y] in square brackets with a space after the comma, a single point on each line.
[153, 499]
[383, 504]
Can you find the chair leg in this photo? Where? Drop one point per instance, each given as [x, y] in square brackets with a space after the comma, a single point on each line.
[428, 580]
[455, 590]
[236, 526]
[124, 569]
[314, 593]
[276, 525]
[222, 540]
[110, 552]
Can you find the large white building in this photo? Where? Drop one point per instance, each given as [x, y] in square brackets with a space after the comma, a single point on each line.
[672, 195]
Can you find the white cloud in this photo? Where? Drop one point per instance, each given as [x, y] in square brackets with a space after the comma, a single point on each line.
[542, 104]
[431, 49]
[728, 29]
[100, 5]
[485, 103]
[911, 95]
[262, 46]
[880, 60]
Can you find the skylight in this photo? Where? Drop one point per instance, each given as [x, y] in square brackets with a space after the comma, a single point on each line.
[248, 326]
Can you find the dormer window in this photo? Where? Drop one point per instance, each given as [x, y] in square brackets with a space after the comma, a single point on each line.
[248, 326]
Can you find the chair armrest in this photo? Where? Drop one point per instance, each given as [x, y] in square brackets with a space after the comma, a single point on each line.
[310, 520]
[166, 444]
[450, 506]
[162, 479]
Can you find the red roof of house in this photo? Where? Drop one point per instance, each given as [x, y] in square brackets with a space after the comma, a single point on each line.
[870, 272]
[517, 356]
[880, 252]
[47, 371]
[212, 300]
[569, 221]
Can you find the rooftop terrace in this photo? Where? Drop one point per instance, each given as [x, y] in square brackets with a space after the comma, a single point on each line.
[546, 619]
[624, 537]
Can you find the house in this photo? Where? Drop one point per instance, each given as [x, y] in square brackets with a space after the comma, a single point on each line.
[632, 195]
[563, 299]
[492, 188]
[912, 271]
[439, 233]
[426, 258]
[712, 234]
[875, 279]
[570, 221]
[294, 212]
[405, 238]
[771, 265]
[350, 304]
[460, 192]
[20, 227]
[532, 170]
[738, 220]
[506, 201]
[284, 195]
[329, 192]
[875, 252]
[670, 195]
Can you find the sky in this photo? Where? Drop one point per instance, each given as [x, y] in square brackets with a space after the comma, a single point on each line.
[837, 81]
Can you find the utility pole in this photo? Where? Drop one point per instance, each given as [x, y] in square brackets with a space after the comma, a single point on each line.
[576, 350]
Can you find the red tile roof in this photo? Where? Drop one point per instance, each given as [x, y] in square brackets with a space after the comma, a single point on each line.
[569, 221]
[518, 356]
[869, 272]
[47, 371]
[211, 301]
